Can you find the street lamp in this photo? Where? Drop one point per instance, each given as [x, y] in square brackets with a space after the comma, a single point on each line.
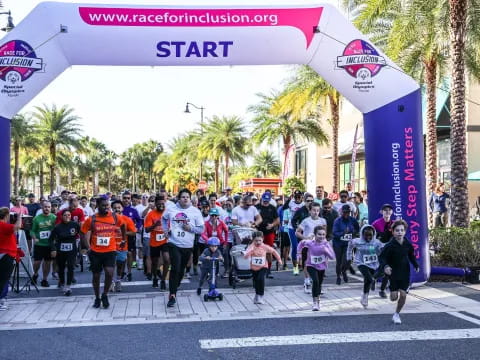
[10, 24]
[201, 108]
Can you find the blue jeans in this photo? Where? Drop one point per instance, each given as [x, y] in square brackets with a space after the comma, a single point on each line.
[294, 243]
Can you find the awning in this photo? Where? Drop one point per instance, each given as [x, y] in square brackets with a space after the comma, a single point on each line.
[474, 176]
[443, 92]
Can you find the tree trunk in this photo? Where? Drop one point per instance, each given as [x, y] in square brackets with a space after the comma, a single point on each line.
[225, 175]
[335, 114]
[216, 165]
[16, 169]
[287, 142]
[95, 183]
[41, 178]
[109, 180]
[53, 156]
[432, 171]
[458, 20]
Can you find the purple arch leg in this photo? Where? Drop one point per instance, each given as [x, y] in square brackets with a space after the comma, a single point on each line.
[395, 169]
[5, 177]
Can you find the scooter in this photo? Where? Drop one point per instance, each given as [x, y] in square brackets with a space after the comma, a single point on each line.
[213, 293]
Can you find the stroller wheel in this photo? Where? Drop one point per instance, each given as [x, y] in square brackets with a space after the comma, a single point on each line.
[205, 297]
[220, 297]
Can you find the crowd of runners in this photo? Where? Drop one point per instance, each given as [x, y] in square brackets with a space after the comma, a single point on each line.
[173, 237]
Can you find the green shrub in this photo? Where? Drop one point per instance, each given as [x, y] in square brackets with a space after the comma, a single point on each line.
[457, 247]
[292, 183]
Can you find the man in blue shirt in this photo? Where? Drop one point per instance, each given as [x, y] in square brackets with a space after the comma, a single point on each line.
[132, 213]
[345, 228]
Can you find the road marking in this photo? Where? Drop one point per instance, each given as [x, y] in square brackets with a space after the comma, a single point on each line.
[464, 317]
[366, 337]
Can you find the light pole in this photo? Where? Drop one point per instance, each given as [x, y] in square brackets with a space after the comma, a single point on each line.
[9, 25]
[201, 108]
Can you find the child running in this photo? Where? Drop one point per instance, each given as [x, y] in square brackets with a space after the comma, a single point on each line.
[368, 248]
[212, 251]
[395, 261]
[257, 251]
[319, 251]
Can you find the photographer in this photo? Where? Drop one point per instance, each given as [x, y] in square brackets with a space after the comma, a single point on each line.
[8, 249]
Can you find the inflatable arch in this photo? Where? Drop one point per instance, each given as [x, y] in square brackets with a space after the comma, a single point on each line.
[55, 36]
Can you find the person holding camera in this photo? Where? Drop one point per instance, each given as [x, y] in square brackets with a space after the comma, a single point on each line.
[8, 250]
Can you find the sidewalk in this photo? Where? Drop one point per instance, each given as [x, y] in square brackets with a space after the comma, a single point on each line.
[281, 301]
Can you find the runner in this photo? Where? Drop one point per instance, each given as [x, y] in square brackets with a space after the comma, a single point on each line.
[121, 249]
[246, 215]
[98, 234]
[227, 219]
[212, 251]
[147, 265]
[330, 215]
[344, 201]
[284, 215]
[294, 206]
[395, 260]
[344, 229]
[158, 246]
[132, 213]
[320, 194]
[18, 208]
[141, 207]
[319, 251]
[63, 246]
[362, 209]
[258, 251]
[42, 227]
[305, 232]
[87, 210]
[212, 201]
[367, 249]
[334, 194]
[76, 211]
[183, 221]
[32, 205]
[383, 227]
[270, 221]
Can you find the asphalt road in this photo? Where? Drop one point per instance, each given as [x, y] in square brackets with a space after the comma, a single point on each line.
[181, 340]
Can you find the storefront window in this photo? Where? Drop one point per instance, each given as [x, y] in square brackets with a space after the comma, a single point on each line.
[301, 164]
[359, 181]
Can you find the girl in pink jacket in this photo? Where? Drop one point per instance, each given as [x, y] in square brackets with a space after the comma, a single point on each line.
[319, 251]
[257, 251]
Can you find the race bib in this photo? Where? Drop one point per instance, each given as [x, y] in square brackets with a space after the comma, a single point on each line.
[103, 241]
[346, 237]
[370, 259]
[259, 261]
[66, 247]
[160, 237]
[44, 234]
[317, 260]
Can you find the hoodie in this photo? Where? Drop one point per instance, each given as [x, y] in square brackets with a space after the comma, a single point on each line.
[367, 252]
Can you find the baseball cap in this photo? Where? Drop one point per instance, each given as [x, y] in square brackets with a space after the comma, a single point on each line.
[228, 188]
[346, 208]
[266, 196]
[297, 193]
[254, 197]
[204, 203]
[384, 206]
[214, 211]
[31, 195]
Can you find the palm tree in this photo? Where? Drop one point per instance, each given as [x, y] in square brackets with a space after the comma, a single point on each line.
[57, 127]
[277, 118]
[228, 135]
[266, 164]
[21, 139]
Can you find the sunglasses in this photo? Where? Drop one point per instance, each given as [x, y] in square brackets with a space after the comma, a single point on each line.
[126, 198]
[308, 200]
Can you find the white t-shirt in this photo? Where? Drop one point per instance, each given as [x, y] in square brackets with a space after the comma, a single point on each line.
[140, 209]
[308, 224]
[294, 207]
[169, 204]
[338, 206]
[88, 211]
[245, 216]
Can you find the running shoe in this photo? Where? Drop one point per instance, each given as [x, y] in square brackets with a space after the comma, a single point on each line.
[140, 265]
[396, 319]
[44, 283]
[345, 277]
[199, 291]
[307, 288]
[134, 265]
[96, 303]
[269, 274]
[339, 281]
[129, 277]
[382, 294]
[260, 300]
[54, 275]
[163, 285]
[68, 291]
[315, 306]
[60, 285]
[118, 286]
[171, 301]
[155, 283]
[3, 305]
[187, 276]
[364, 300]
[255, 299]
[149, 276]
[105, 302]
[295, 270]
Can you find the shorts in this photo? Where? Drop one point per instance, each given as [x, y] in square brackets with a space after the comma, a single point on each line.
[138, 241]
[132, 243]
[269, 239]
[41, 253]
[399, 284]
[284, 239]
[121, 256]
[99, 261]
[146, 246]
[155, 251]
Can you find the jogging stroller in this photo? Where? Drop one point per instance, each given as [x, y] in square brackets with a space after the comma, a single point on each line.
[240, 267]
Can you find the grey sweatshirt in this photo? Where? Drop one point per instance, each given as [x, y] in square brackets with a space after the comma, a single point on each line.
[367, 252]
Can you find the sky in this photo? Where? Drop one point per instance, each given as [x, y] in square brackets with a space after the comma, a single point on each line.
[152, 107]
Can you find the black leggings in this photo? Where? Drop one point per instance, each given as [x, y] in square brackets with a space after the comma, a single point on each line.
[341, 256]
[178, 259]
[6, 268]
[66, 259]
[384, 282]
[226, 256]
[259, 281]
[367, 277]
[317, 280]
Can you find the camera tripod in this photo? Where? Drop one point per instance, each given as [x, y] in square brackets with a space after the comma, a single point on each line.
[15, 283]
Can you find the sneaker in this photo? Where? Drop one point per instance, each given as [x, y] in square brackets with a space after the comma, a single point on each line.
[54, 275]
[60, 285]
[134, 265]
[96, 303]
[67, 291]
[44, 283]
[225, 275]
[187, 276]
[112, 287]
[171, 301]
[382, 294]
[345, 277]
[3, 305]
[105, 302]
[364, 300]
[307, 288]
[315, 306]
[149, 277]
[34, 278]
[129, 277]
[396, 319]
[118, 286]
[295, 270]
[163, 285]
[339, 281]
[255, 299]
[260, 300]
[269, 275]
[199, 291]
[155, 283]
[140, 265]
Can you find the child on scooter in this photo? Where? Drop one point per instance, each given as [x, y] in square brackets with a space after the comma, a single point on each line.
[212, 251]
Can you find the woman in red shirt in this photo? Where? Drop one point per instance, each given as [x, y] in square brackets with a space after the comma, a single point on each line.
[8, 250]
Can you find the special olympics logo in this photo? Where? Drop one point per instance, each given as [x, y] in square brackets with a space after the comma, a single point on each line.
[18, 62]
[361, 60]
[181, 218]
